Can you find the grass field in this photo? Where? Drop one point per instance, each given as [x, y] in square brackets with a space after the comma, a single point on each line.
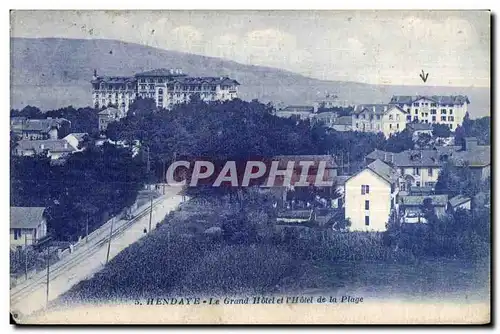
[180, 259]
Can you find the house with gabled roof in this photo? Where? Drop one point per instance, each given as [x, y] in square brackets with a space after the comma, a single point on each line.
[37, 129]
[27, 225]
[434, 109]
[52, 148]
[422, 167]
[385, 118]
[370, 197]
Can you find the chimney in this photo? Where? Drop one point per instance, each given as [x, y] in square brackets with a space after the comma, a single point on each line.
[65, 144]
[373, 108]
[392, 158]
[470, 143]
[385, 108]
[385, 157]
[95, 74]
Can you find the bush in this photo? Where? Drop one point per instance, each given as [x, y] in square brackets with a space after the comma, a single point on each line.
[239, 269]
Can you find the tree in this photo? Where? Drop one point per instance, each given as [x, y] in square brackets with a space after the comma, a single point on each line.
[441, 131]
[423, 141]
[28, 112]
[455, 180]
[142, 107]
[400, 141]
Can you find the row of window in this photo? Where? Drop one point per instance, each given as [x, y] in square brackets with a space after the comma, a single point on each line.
[103, 86]
[433, 111]
[378, 117]
[116, 95]
[426, 104]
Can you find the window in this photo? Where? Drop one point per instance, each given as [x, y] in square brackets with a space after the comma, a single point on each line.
[367, 205]
[367, 220]
[451, 111]
[418, 183]
[433, 111]
[416, 171]
[390, 126]
[409, 109]
[416, 104]
[430, 171]
[391, 117]
[415, 118]
[17, 233]
[451, 126]
[443, 111]
[416, 111]
[443, 118]
[397, 117]
[433, 104]
[357, 125]
[365, 189]
[433, 118]
[397, 125]
[450, 118]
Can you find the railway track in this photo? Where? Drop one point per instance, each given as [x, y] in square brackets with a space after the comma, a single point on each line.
[76, 258]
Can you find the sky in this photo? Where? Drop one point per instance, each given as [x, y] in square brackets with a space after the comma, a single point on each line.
[377, 47]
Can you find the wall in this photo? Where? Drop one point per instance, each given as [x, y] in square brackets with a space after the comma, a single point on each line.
[379, 197]
[424, 176]
[397, 124]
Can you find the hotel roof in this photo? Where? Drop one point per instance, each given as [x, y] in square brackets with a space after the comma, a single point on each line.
[440, 99]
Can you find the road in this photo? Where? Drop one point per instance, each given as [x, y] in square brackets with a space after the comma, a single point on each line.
[31, 296]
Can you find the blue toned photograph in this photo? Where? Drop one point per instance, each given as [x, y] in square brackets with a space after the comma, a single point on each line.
[250, 167]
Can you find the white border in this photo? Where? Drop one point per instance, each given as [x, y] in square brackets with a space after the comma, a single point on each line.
[186, 4]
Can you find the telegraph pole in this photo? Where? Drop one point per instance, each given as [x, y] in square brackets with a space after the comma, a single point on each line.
[87, 229]
[26, 256]
[150, 210]
[109, 241]
[48, 274]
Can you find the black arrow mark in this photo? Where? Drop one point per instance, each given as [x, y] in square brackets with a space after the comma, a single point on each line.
[424, 76]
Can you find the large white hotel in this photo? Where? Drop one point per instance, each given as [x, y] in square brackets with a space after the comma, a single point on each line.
[166, 86]
[437, 109]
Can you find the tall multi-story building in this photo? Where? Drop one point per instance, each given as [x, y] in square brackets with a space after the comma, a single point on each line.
[384, 118]
[449, 110]
[167, 87]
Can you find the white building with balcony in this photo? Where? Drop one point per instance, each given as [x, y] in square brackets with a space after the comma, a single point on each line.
[435, 109]
[167, 87]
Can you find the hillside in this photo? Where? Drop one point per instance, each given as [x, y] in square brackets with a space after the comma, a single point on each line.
[54, 72]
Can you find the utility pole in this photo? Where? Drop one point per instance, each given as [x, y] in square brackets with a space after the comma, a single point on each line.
[109, 241]
[26, 256]
[147, 162]
[87, 229]
[150, 210]
[48, 274]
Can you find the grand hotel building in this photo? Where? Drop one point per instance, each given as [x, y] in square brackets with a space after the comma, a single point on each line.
[166, 86]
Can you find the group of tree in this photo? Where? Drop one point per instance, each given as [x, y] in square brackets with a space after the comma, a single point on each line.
[90, 187]
[479, 128]
[83, 120]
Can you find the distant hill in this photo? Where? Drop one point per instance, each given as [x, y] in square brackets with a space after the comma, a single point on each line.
[55, 72]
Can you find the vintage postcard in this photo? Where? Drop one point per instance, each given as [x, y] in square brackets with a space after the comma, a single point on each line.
[250, 167]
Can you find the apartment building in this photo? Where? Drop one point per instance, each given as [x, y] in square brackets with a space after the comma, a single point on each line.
[385, 118]
[435, 109]
[370, 197]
